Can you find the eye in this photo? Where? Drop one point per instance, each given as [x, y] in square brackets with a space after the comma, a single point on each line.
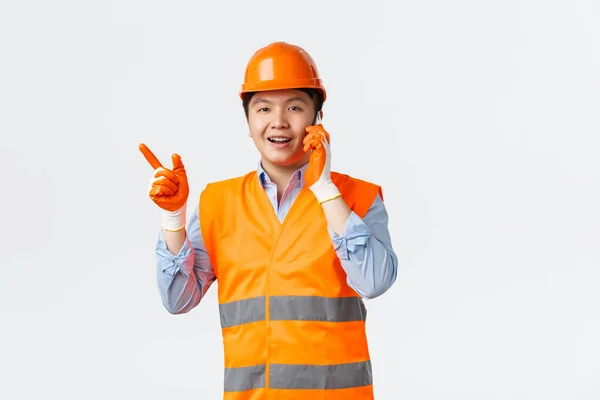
[263, 109]
[295, 108]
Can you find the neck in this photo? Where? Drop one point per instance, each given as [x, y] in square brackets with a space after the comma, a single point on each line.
[280, 175]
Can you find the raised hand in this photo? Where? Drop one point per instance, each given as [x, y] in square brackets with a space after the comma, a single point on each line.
[318, 173]
[319, 163]
[169, 189]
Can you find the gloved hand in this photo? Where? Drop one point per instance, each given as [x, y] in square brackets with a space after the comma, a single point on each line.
[318, 176]
[169, 189]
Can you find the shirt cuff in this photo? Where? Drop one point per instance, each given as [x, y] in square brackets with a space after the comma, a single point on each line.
[352, 241]
[170, 263]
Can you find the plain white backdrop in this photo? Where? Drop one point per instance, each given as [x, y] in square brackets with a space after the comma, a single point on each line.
[479, 119]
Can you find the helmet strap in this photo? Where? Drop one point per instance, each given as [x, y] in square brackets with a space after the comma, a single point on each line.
[317, 118]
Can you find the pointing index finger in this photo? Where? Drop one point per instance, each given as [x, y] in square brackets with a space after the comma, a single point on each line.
[150, 157]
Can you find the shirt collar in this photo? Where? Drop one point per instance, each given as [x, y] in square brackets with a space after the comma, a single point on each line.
[297, 177]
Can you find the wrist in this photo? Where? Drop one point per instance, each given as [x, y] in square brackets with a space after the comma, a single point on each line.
[325, 190]
[174, 220]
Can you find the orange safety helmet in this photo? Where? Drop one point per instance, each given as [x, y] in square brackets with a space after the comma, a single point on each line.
[281, 65]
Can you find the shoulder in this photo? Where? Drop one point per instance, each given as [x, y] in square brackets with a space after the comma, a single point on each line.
[343, 178]
[358, 193]
[352, 183]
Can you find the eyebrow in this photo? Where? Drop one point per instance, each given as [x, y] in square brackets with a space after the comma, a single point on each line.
[263, 100]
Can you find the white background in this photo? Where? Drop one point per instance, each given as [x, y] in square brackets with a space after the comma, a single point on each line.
[479, 118]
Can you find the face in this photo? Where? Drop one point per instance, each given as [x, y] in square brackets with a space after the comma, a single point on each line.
[277, 120]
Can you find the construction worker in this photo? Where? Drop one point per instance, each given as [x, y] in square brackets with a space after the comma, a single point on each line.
[295, 247]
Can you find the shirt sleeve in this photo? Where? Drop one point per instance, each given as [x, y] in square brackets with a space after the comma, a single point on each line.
[365, 251]
[184, 278]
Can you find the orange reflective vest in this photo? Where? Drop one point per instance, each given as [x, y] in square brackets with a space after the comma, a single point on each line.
[292, 327]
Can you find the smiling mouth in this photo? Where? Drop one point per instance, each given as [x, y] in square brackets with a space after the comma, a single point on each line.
[279, 140]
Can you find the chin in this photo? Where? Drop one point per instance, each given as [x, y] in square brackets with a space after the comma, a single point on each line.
[281, 163]
[284, 162]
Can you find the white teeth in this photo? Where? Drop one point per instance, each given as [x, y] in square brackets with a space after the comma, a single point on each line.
[279, 139]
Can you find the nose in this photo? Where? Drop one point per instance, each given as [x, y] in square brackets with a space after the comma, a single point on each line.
[279, 120]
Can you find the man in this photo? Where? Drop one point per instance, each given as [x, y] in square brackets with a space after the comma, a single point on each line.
[294, 247]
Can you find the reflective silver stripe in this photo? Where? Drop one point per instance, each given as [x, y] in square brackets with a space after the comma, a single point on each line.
[242, 311]
[299, 376]
[315, 308]
[244, 378]
[293, 308]
[339, 376]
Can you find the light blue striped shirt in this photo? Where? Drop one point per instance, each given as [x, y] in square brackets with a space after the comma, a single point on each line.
[364, 249]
